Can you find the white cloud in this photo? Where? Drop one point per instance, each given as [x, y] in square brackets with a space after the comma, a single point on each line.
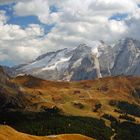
[137, 1]
[77, 21]
[39, 8]
[18, 44]
[2, 2]
[3, 18]
[89, 20]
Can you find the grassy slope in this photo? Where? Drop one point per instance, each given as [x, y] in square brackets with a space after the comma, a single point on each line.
[7, 133]
[88, 93]
[70, 96]
[44, 123]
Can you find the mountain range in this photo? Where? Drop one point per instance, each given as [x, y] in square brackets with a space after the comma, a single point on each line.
[87, 61]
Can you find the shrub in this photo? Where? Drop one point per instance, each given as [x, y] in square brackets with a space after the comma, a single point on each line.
[78, 105]
[126, 117]
[97, 107]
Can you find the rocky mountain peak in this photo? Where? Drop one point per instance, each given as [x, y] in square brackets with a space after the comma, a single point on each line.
[86, 61]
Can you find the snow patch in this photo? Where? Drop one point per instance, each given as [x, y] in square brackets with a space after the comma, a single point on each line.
[56, 64]
[94, 47]
[77, 63]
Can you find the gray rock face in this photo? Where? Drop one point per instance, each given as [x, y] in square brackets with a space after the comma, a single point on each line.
[87, 61]
[127, 54]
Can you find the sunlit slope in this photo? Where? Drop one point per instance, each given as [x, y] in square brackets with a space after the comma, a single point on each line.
[114, 101]
[84, 98]
[7, 133]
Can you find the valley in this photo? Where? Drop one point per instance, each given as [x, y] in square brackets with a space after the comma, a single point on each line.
[106, 108]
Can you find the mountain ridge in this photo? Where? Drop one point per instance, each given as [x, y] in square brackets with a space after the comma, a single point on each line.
[87, 61]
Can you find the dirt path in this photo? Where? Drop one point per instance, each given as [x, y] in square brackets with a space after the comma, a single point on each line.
[89, 95]
[113, 136]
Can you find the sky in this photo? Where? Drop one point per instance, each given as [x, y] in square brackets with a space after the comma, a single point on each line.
[29, 28]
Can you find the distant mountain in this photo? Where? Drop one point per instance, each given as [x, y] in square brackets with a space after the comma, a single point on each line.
[87, 61]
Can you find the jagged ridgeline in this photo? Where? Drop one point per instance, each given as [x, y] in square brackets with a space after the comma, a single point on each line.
[87, 61]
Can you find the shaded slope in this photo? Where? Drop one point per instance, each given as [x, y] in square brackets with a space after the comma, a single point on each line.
[13, 96]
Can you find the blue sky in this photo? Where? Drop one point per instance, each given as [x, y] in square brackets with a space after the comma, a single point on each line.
[119, 16]
[24, 21]
[30, 28]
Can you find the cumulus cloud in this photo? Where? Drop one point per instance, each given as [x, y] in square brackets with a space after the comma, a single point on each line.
[89, 20]
[82, 19]
[137, 1]
[39, 8]
[9, 1]
[76, 21]
[3, 18]
[18, 44]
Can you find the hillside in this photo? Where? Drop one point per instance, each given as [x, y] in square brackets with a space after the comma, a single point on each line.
[12, 95]
[82, 98]
[7, 133]
[101, 108]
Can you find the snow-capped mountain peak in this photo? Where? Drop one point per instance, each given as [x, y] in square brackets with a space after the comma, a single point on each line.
[87, 61]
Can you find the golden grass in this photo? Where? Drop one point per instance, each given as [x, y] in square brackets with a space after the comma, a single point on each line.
[8, 133]
[89, 92]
